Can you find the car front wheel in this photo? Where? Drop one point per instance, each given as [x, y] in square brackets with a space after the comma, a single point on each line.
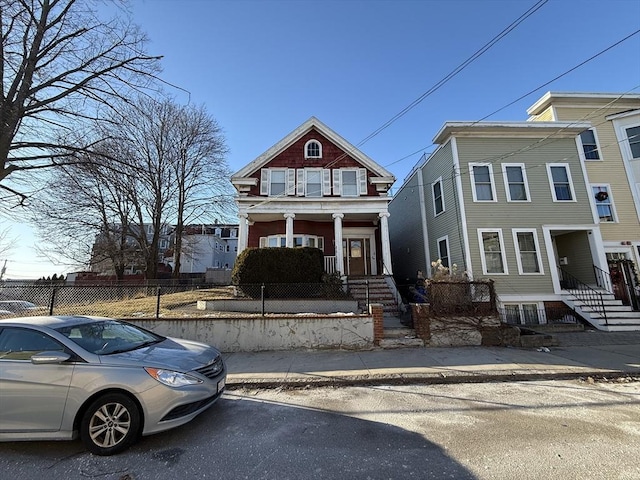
[110, 424]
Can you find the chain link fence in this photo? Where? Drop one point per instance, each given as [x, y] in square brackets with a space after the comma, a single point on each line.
[121, 301]
[448, 298]
[153, 300]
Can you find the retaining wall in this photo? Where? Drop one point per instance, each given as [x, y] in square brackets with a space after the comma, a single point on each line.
[273, 332]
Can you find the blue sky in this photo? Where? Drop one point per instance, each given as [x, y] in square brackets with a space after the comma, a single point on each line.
[263, 67]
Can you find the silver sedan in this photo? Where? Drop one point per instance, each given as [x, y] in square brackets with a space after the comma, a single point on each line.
[107, 381]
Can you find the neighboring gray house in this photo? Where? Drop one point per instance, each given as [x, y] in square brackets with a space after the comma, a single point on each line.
[509, 201]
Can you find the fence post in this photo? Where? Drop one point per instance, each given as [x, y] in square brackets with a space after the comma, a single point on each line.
[367, 293]
[158, 302]
[262, 297]
[53, 300]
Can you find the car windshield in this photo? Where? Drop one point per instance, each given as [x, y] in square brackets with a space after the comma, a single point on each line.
[109, 336]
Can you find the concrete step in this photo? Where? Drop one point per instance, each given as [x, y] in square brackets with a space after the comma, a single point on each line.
[400, 337]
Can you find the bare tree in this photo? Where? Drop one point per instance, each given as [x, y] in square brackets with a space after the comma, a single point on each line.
[86, 213]
[61, 65]
[170, 170]
[201, 172]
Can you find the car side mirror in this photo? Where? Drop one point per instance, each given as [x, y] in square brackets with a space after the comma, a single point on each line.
[44, 358]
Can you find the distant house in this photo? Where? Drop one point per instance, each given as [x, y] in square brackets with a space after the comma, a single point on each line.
[211, 246]
[610, 150]
[313, 188]
[109, 244]
[509, 201]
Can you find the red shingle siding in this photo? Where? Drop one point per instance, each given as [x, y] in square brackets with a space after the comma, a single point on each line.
[293, 157]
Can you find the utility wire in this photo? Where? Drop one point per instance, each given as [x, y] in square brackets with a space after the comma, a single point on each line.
[458, 69]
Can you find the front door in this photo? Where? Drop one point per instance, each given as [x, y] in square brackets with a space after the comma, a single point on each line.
[356, 256]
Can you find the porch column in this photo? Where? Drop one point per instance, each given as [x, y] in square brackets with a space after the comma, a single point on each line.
[243, 232]
[337, 227]
[289, 233]
[386, 246]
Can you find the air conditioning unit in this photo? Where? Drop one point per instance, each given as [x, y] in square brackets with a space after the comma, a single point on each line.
[564, 261]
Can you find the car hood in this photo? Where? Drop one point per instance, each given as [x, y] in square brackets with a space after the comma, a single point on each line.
[171, 353]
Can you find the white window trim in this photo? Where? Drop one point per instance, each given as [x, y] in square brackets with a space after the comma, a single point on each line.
[524, 179]
[446, 239]
[542, 314]
[552, 184]
[581, 147]
[516, 245]
[313, 140]
[595, 203]
[502, 252]
[306, 173]
[433, 197]
[620, 124]
[473, 181]
[264, 241]
[341, 182]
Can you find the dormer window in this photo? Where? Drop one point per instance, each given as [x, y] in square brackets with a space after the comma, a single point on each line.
[313, 149]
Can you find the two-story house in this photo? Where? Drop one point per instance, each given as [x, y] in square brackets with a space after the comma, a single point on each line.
[610, 149]
[208, 246]
[314, 188]
[509, 201]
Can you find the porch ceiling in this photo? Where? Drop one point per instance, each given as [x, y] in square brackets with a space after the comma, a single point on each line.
[313, 217]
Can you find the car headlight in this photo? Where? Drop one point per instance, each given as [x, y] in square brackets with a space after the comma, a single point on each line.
[171, 378]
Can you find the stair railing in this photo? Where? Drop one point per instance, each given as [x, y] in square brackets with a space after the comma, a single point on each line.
[603, 279]
[583, 292]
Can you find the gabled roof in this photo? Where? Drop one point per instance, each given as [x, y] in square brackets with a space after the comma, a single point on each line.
[295, 135]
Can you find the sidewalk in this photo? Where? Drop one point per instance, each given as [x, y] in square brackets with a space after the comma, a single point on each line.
[584, 354]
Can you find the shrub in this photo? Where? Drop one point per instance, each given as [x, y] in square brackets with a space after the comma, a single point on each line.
[278, 265]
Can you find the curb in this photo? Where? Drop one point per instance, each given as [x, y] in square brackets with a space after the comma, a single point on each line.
[421, 379]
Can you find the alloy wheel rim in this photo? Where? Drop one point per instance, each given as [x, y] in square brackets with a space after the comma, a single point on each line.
[109, 425]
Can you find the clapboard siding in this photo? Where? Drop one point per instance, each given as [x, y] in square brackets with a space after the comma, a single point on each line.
[609, 170]
[541, 210]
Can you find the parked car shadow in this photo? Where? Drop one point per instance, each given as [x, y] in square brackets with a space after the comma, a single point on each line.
[241, 438]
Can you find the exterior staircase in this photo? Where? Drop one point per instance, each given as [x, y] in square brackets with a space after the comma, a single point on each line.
[375, 290]
[380, 289]
[607, 314]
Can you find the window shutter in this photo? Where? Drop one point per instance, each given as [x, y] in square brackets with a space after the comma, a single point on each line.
[363, 181]
[301, 182]
[291, 181]
[264, 181]
[326, 181]
[337, 190]
[263, 242]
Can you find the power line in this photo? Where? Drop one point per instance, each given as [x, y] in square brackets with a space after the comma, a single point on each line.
[458, 69]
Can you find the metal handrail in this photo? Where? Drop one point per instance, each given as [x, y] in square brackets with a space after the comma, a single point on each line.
[583, 292]
[603, 279]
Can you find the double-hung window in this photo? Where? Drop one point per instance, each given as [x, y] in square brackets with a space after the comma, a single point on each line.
[633, 136]
[482, 182]
[492, 251]
[349, 182]
[278, 182]
[604, 203]
[313, 183]
[515, 182]
[438, 199]
[560, 182]
[589, 145]
[527, 251]
[443, 250]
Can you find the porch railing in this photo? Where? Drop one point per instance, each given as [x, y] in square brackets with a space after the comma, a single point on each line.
[583, 292]
[330, 264]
